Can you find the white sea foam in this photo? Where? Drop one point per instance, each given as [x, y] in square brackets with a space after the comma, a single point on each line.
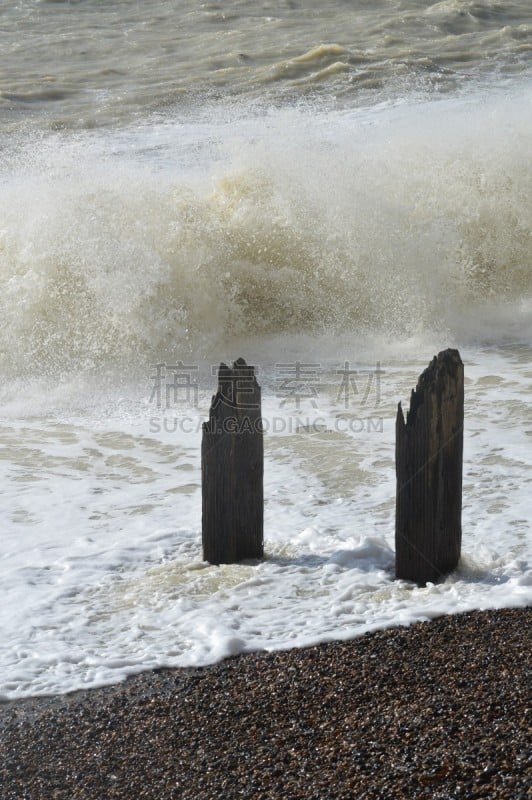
[415, 218]
[101, 567]
[378, 235]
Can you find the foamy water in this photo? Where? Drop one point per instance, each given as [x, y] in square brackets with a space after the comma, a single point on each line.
[84, 65]
[102, 571]
[405, 219]
[375, 231]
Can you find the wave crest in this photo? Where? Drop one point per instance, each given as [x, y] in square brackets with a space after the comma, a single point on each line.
[389, 220]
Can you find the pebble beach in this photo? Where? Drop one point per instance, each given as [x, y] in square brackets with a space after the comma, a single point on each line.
[436, 710]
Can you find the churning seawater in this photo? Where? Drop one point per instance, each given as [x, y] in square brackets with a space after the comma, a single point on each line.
[334, 192]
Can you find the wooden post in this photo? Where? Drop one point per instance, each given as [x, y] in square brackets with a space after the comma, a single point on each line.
[428, 459]
[232, 469]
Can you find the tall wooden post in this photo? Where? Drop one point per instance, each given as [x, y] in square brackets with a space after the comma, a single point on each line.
[232, 469]
[428, 453]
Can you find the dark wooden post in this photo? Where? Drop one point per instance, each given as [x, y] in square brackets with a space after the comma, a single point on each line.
[428, 460]
[232, 469]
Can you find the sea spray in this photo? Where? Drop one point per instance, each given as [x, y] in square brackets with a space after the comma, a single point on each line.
[402, 219]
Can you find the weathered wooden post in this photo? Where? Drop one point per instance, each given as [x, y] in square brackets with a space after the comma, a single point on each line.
[232, 469]
[428, 459]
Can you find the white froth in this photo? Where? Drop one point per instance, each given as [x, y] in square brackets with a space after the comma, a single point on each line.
[101, 566]
[396, 220]
[372, 235]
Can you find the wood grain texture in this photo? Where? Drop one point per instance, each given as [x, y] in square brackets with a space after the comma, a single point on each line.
[232, 469]
[429, 452]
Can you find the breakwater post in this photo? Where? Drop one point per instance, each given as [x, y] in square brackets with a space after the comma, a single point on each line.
[428, 459]
[232, 465]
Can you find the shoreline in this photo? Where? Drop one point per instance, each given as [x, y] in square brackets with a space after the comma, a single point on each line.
[436, 709]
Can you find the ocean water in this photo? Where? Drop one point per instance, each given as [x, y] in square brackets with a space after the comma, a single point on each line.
[334, 193]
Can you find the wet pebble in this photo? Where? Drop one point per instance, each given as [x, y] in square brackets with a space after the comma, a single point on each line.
[437, 710]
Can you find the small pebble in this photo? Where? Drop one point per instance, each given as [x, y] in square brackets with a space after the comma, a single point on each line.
[436, 710]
